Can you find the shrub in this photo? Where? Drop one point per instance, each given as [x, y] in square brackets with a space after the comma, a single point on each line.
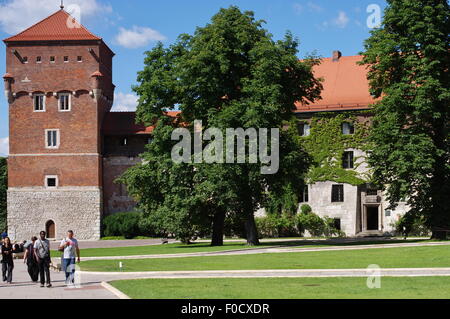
[127, 224]
[276, 226]
[312, 223]
[305, 209]
[412, 225]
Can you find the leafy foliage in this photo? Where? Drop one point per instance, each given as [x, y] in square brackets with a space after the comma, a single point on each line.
[125, 224]
[229, 74]
[326, 145]
[409, 62]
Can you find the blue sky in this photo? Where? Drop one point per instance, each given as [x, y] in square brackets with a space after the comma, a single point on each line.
[132, 27]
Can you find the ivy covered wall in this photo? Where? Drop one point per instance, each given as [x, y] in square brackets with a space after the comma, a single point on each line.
[326, 145]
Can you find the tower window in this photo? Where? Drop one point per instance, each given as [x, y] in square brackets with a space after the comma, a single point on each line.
[39, 102]
[52, 139]
[347, 160]
[348, 128]
[52, 59]
[51, 181]
[66, 59]
[79, 58]
[64, 102]
[38, 59]
[25, 59]
[337, 193]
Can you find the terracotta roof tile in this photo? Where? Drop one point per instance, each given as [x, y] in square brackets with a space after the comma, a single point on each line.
[59, 26]
[345, 86]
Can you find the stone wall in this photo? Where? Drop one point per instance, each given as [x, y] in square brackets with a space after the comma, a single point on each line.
[78, 209]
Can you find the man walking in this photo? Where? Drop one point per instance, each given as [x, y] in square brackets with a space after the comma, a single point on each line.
[42, 254]
[30, 259]
[69, 246]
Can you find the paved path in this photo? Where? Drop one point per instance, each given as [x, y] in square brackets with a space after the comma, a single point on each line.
[265, 250]
[277, 273]
[23, 288]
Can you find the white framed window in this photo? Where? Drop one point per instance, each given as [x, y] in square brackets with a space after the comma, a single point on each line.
[79, 58]
[51, 181]
[348, 128]
[52, 59]
[64, 102]
[38, 59]
[39, 103]
[66, 59]
[304, 129]
[52, 139]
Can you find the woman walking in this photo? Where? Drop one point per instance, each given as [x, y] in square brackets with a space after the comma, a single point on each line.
[30, 259]
[7, 260]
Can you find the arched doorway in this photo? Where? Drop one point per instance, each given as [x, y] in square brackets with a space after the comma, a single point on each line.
[50, 229]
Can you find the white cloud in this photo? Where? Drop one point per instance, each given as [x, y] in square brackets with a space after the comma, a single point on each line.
[4, 146]
[314, 7]
[342, 20]
[17, 15]
[125, 102]
[137, 37]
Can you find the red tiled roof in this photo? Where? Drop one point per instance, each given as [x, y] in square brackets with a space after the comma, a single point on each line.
[345, 86]
[124, 123]
[59, 26]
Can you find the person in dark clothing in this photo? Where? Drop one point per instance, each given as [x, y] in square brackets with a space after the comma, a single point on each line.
[30, 259]
[7, 260]
[42, 254]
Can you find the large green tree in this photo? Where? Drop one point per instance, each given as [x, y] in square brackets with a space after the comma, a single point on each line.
[228, 74]
[3, 190]
[409, 61]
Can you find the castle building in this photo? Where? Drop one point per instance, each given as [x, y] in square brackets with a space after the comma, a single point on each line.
[67, 147]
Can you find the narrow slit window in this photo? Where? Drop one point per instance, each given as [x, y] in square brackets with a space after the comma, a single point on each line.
[305, 195]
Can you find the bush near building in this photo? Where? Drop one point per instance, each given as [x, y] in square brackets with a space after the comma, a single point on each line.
[128, 224]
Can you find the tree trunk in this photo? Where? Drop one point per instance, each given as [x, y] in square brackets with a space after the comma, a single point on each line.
[218, 225]
[251, 230]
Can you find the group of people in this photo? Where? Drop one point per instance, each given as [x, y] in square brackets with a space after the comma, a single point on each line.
[37, 257]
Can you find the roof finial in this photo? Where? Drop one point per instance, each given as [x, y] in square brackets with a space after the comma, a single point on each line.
[62, 4]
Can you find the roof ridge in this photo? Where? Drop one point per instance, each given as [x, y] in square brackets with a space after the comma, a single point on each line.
[46, 19]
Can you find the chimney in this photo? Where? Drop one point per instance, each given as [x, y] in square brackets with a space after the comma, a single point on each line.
[336, 55]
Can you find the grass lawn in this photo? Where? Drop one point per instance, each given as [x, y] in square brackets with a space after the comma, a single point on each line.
[285, 288]
[405, 257]
[178, 248]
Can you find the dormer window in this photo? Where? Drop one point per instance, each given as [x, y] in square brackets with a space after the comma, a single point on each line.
[52, 59]
[38, 59]
[39, 102]
[64, 102]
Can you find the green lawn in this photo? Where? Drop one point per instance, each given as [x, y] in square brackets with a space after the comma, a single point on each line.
[405, 257]
[286, 288]
[178, 248]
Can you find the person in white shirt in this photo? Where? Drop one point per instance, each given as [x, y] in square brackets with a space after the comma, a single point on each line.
[71, 251]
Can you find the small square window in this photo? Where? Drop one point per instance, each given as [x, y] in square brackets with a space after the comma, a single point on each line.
[304, 129]
[51, 181]
[66, 59]
[79, 58]
[25, 59]
[337, 193]
[348, 128]
[38, 59]
[52, 59]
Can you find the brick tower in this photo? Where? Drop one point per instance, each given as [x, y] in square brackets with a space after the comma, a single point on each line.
[59, 87]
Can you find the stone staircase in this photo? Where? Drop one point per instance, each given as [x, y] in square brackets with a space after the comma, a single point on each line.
[370, 233]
